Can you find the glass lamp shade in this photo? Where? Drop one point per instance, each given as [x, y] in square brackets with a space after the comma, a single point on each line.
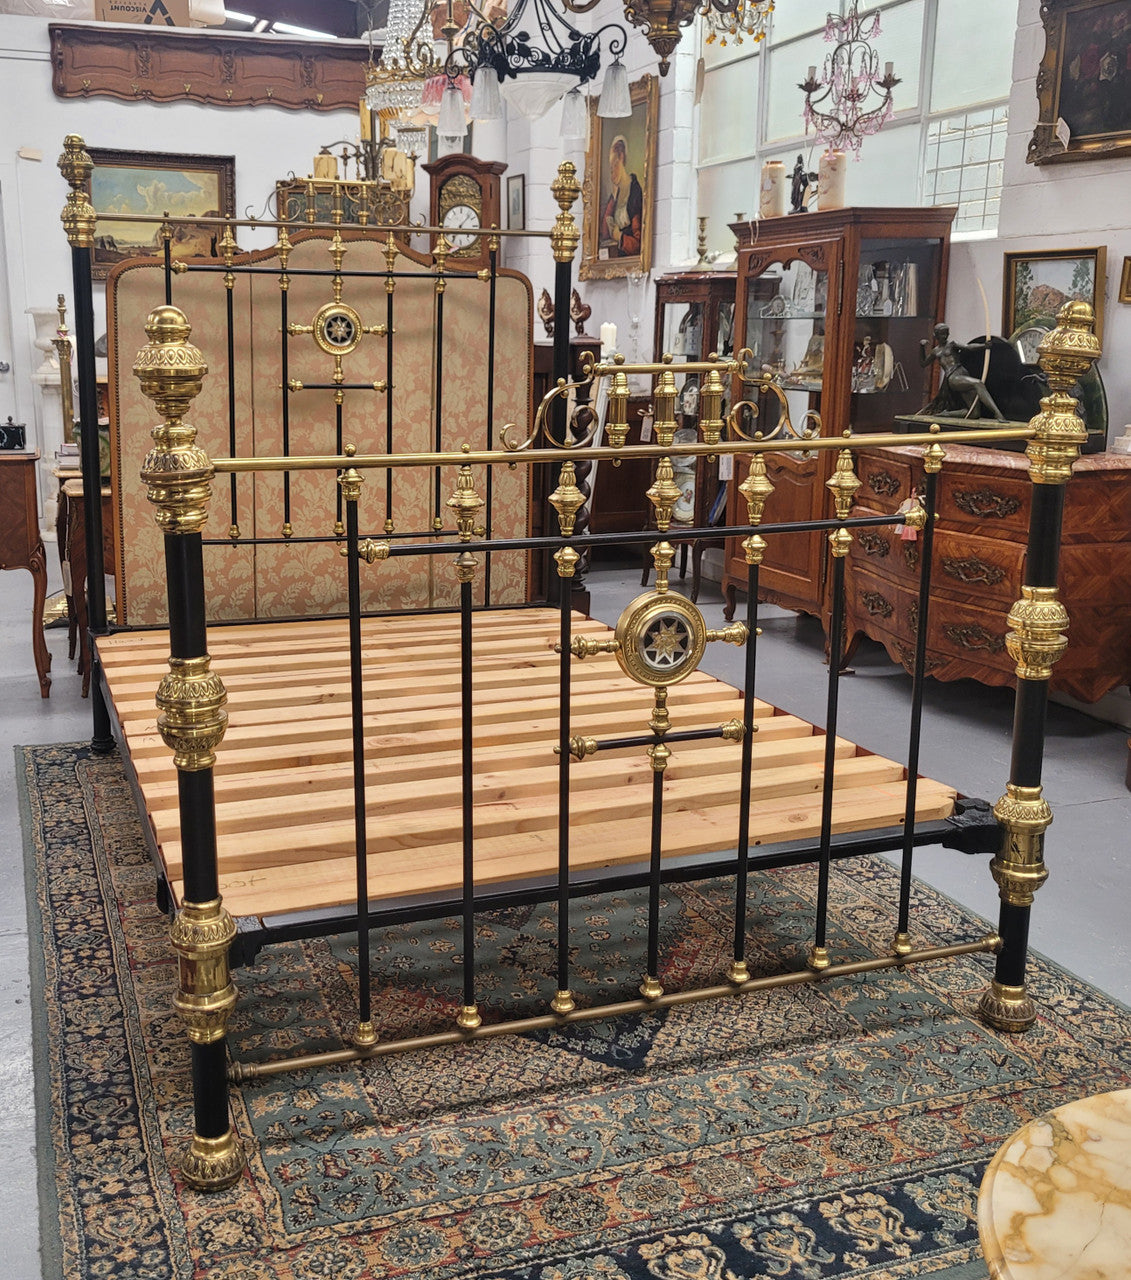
[533, 93]
[486, 102]
[575, 117]
[452, 121]
[616, 100]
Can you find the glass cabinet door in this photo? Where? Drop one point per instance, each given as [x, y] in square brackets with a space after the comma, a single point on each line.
[785, 329]
[895, 303]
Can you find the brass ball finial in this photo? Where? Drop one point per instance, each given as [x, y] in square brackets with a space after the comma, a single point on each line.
[166, 325]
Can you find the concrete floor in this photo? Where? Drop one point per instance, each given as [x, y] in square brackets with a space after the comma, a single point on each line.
[1079, 918]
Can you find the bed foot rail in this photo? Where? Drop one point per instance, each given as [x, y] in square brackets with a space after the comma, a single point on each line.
[1036, 642]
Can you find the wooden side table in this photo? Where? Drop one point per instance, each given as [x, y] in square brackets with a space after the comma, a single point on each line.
[21, 547]
[72, 523]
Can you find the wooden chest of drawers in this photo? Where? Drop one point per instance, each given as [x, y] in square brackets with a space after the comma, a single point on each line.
[980, 540]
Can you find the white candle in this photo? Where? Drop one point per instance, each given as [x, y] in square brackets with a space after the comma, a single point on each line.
[830, 180]
[812, 74]
[608, 336]
[888, 68]
[771, 198]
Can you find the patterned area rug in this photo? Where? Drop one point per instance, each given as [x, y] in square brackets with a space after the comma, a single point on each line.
[805, 1133]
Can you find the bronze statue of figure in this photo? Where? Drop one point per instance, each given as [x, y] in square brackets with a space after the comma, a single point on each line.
[959, 391]
[802, 180]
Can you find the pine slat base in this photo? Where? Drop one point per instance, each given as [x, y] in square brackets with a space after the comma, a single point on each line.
[284, 789]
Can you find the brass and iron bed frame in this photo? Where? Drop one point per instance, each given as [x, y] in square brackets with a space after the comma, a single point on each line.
[658, 643]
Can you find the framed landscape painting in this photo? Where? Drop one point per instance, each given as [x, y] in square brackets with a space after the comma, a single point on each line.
[1038, 283]
[141, 182]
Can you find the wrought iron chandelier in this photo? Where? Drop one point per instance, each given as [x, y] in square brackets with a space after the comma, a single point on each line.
[851, 99]
[533, 58]
[736, 21]
[660, 20]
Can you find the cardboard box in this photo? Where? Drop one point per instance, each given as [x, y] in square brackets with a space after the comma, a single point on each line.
[156, 13]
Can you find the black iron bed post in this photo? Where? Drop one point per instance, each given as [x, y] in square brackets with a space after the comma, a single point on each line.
[390, 251]
[167, 257]
[564, 240]
[1036, 642]
[465, 504]
[566, 500]
[921, 518]
[756, 489]
[191, 698]
[349, 487]
[79, 221]
[492, 304]
[843, 484]
[283, 249]
[439, 261]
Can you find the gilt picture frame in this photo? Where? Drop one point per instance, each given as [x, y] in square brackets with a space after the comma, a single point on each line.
[618, 193]
[1084, 82]
[1125, 281]
[143, 182]
[1037, 283]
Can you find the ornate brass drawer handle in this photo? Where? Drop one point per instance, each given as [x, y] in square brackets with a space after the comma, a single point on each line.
[971, 569]
[911, 554]
[873, 543]
[907, 657]
[883, 483]
[878, 606]
[972, 635]
[985, 502]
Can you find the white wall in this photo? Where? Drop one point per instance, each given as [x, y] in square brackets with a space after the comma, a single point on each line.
[267, 143]
[1056, 206]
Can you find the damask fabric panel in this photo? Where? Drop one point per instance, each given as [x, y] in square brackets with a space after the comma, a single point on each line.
[301, 578]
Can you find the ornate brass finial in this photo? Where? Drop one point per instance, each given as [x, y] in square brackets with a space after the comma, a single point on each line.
[439, 260]
[1065, 356]
[191, 699]
[567, 560]
[664, 395]
[843, 483]
[756, 489]
[661, 721]
[465, 504]
[711, 406]
[841, 542]
[663, 557]
[567, 499]
[1019, 866]
[565, 236]
[754, 548]
[1035, 639]
[467, 566]
[390, 251]
[227, 245]
[933, 456]
[664, 494]
[78, 216]
[616, 423]
[350, 482]
[177, 472]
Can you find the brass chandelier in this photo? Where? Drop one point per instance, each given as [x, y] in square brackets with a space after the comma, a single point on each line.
[736, 19]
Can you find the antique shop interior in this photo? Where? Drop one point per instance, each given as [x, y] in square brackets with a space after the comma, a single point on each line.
[571, 584]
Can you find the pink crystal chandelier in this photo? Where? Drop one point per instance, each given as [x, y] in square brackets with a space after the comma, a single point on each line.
[851, 99]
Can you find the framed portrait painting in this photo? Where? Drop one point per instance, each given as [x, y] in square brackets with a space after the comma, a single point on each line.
[618, 195]
[143, 182]
[1084, 82]
[1038, 283]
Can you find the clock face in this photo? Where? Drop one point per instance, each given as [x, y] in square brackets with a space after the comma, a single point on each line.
[457, 218]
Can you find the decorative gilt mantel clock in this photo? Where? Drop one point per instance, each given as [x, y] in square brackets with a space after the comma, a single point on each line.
[465, 195]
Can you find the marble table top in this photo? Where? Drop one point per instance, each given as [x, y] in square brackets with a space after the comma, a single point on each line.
[1055, 1203]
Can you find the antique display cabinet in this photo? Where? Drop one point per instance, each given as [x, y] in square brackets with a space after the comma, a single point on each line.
[695, 320]
[834, 306]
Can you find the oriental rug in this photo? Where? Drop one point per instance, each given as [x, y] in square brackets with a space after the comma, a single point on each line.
[806, 1133]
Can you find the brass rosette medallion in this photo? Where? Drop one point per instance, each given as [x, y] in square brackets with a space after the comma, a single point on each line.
[660, 638]
[337, 328]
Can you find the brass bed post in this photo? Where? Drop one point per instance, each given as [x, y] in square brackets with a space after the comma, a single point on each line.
[1036, 642]
[79, 220]
[191, 697]
[564, 240]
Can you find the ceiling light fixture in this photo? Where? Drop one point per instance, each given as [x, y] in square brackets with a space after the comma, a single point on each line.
[736, 21]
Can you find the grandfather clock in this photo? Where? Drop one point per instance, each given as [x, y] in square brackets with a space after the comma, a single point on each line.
[465, 195]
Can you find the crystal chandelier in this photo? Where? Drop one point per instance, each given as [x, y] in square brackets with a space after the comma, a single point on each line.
[851, 100]
[734, 21]
[395, 83]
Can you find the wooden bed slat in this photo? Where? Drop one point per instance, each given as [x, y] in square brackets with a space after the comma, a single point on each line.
[284, 793]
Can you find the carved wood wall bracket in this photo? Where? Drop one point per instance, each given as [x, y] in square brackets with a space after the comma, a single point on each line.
[137, 64]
